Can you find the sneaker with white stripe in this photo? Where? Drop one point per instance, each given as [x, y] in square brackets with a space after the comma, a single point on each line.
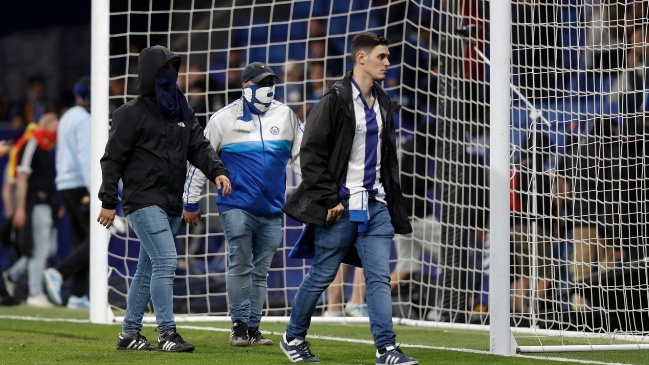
[172, 342]
[255, 337]
[392, 355]
[133, 341]
[297, 350]
[53, 281]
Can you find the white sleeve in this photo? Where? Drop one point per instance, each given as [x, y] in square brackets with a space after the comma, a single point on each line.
[195, 179]
[82, 135]
[298, 131]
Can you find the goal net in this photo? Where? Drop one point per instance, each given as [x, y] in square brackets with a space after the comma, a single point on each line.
[576, 191]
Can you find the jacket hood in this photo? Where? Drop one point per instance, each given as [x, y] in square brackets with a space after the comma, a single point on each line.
[149, 63]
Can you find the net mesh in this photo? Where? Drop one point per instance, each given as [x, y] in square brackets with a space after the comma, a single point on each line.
[578, 181]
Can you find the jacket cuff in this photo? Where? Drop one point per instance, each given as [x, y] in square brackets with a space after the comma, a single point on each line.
[111, 206]
[191, 207]
[332, 202]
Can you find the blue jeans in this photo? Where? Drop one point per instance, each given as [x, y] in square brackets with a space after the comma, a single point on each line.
[252, 242]
[156, 267]
[331, 244]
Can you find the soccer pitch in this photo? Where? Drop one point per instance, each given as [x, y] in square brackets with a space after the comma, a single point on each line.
[64, 336]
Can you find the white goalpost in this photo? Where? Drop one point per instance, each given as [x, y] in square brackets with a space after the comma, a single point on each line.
[522, 151]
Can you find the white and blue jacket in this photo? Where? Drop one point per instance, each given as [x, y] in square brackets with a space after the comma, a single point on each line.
[256, 159]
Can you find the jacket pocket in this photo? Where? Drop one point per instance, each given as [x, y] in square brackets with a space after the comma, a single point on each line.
[138, 179]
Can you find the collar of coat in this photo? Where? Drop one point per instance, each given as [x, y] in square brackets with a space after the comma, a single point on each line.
[344, 89]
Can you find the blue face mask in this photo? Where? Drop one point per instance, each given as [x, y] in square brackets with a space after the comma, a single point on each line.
[171, 101]
[258, 97]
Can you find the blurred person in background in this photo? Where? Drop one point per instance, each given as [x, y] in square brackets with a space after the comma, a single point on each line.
[73, 184]
[36, 104]
[35, 210]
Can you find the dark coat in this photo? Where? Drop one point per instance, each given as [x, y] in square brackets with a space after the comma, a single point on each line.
[324, 156]
[150, 153]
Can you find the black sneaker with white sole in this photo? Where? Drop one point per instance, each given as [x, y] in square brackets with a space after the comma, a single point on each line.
[394, 355]
[255, 337]
[172, 342]
[239, 334]
[297, 350]
[134, 341]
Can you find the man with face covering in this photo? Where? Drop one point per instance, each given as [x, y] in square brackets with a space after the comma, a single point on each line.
[255, 137]
[151, 139]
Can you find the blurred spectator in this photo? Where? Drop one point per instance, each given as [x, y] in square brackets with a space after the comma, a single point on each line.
[196, 98]
[634, 222]
[134, 50]
[4, 107]
[192, 82]
[73, 183]
[355, 307]
[117, 91]
[316, 84]
[229, 87]
[589, 175]
[605, 35]
[36, 207]
[533, 218]
[294, 87]
[317, 28]
[535, 53]
[188, 76]
[629, 89]
[418, 187]
[36, 104]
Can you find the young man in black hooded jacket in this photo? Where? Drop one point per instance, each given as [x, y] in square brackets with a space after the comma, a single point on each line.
[151, 139]
[350, 198]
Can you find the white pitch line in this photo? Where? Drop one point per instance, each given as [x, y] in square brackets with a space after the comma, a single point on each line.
[441, 348]
[338, 339]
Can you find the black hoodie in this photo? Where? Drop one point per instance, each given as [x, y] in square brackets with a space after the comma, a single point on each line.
[148, 152]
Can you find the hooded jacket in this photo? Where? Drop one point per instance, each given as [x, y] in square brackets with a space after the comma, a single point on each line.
[150, 153]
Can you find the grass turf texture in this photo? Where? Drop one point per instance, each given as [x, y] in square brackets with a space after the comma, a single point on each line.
[55, 342]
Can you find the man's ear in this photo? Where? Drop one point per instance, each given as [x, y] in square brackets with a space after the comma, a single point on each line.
[360, 57]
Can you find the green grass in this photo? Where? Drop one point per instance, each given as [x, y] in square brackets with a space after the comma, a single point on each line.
[56, 342]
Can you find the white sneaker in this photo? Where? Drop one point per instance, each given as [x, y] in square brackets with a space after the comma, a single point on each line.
[53, 281]
[332, 314]
[9, 285]
[356, 310]
[75, 302]
[40, 301]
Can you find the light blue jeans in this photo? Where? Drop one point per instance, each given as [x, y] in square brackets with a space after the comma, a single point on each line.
[331, 244]
[156, 267]
[45, 244]
[252, 242]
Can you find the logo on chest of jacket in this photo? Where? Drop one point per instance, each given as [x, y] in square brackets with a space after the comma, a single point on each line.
[181, 124]
[274, 130]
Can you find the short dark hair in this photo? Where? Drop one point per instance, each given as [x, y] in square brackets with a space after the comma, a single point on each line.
[366, 41]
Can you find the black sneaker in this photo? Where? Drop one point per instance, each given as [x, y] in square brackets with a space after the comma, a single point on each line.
[133, 341]
[297, 350]
[172, 342]
[256, 338]
[239, 333]
[392, 355]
